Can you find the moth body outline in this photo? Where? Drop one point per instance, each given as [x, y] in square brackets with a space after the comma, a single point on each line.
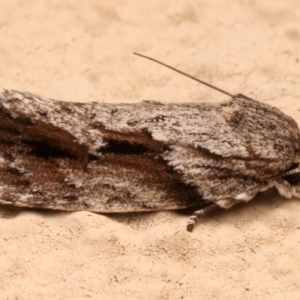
[145, 156]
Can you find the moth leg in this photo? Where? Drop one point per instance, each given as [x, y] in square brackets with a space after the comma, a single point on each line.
[285, 189]
[198, 214]
[228, 203]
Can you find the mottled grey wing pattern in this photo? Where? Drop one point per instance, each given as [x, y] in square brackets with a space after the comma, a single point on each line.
[60, 155]
[242, 147]
[137, 157]
[221, 149]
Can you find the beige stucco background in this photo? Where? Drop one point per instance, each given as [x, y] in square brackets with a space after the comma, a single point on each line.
[82, 51]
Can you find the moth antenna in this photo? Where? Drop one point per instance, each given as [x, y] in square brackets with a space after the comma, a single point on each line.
[291, 172]
[185, 74]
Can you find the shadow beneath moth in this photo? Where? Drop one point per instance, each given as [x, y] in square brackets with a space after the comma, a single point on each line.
[146, 156]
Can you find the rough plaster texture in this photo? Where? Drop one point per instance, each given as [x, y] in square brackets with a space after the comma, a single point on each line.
[82, 51]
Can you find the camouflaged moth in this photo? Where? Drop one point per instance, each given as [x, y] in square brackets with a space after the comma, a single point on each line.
[146, 156]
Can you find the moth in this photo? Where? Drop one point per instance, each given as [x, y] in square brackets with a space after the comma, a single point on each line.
[146, 156]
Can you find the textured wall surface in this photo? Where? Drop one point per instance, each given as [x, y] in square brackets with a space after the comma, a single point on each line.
[82, 51]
